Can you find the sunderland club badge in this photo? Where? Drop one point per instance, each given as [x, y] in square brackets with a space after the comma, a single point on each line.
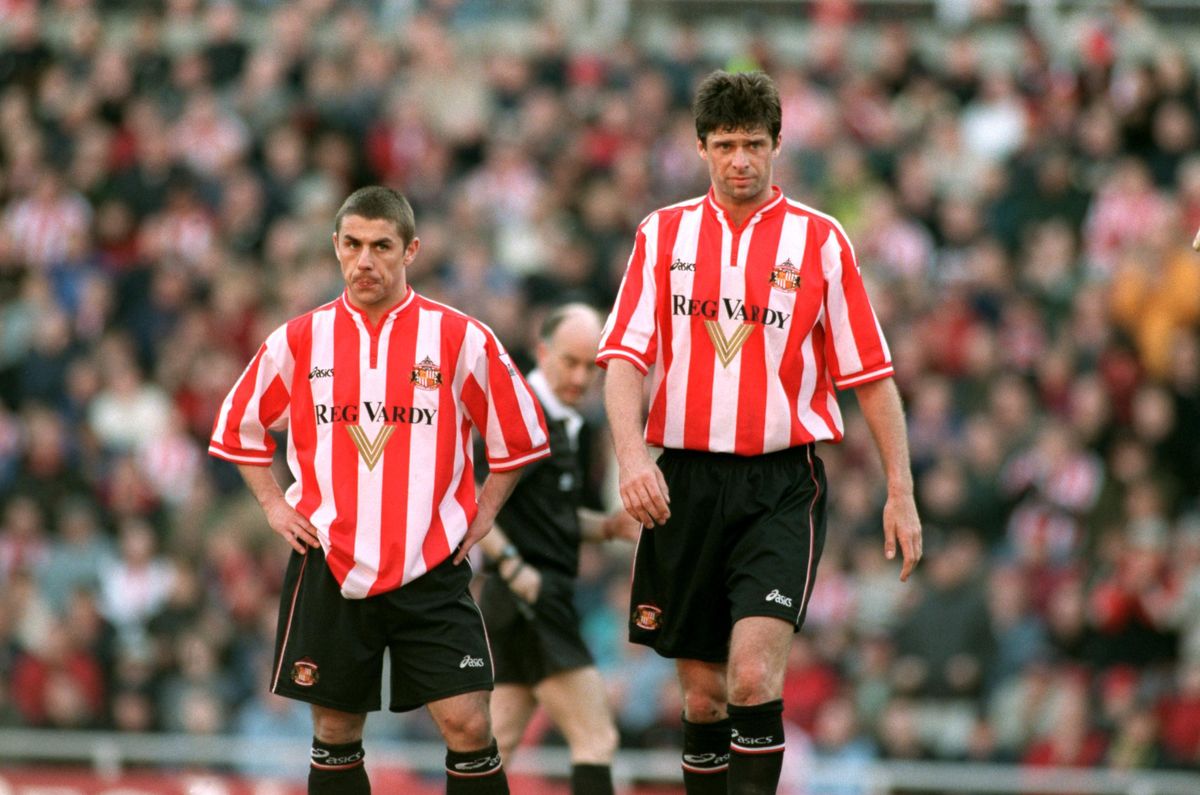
[426, 375]
[785, 276]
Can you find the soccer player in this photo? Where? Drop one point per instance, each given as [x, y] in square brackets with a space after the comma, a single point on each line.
[528, 604]
[750, 309]
[379, 389]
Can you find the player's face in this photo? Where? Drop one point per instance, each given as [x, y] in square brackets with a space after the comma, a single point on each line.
[739, 165]
[568, 359]
[373, 258]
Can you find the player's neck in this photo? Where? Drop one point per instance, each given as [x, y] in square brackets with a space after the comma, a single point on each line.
[738, 211]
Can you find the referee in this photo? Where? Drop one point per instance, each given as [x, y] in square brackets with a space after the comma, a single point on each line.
[379, 389]
[750, 310]
[528, 603]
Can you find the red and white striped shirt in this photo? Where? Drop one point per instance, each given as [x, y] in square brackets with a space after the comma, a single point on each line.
[380, 430]
[749, 329]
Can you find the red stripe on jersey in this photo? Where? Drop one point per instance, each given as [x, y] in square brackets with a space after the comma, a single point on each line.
[697, 420]
[299, 333]
[627, 300]
[397, 458]
[668, 229]
[243, 393]
[346, 392]
[863, 324]
[752, 387]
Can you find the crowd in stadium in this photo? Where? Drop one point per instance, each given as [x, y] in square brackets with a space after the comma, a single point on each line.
[168, 179]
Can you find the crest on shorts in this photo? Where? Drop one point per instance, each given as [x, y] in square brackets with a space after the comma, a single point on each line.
[647, 617]
[304, 672]
[426, 375]
[785, 276]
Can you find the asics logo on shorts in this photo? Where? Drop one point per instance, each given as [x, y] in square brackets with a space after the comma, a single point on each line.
[471, 662]
[778, 598]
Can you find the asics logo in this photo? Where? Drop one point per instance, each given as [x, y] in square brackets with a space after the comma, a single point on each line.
[742, 739]
[475, 764]
[471, 662]
[778, 598]
[713, 760]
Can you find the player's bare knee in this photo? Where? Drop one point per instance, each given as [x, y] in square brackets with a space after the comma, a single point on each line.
[337, 728]
[702, 706]
[466, 730]
[754, 682]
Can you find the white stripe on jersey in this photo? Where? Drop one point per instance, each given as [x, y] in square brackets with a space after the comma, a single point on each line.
[681, 283]
[777, 420]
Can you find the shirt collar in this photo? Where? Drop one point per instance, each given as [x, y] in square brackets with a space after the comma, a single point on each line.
[770, 205]
[404, 303]
[555, 408]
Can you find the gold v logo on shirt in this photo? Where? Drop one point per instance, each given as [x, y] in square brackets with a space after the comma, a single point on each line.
[371, 450]
[728, 347]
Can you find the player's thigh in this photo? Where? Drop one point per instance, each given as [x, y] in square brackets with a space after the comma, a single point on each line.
[577, 702]
[512, 707]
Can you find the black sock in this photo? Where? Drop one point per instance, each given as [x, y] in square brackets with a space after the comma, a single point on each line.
[475, 772]
[591, 780]
[757, 748]
[705, 757]
[337, 769]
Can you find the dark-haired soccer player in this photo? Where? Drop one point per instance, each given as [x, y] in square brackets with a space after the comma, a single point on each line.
[379, 389]
[749, 311]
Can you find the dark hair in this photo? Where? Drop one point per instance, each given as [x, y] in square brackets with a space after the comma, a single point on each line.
[557, 315]
[742, 101]
[376, 201]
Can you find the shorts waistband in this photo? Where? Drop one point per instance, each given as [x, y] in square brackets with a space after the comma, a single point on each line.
[797, 453]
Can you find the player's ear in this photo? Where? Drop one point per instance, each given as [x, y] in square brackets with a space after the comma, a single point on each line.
[410, 251]
[700, 149]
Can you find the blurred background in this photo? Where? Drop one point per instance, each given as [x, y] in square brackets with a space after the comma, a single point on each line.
[1021, 180]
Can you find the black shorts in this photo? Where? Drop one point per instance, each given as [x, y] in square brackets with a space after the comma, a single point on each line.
[528, 650]
[744, 539]
[329, 649]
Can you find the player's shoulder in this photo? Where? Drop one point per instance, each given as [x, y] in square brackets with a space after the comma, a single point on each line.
[678, 208]
[302, 324]
[454, 321]
[813, 215]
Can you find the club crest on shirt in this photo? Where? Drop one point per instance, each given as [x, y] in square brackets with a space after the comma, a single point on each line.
[426, 375]
[785, 276]
[304, 672]
[647, 617]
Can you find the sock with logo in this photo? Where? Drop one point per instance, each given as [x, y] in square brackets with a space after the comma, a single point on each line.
[757, 748]
[705, 757]
[337, 769]
[475, 772]
[591, 780]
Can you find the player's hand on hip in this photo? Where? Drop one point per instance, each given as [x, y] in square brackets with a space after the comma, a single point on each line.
[902, 527]
[523, 580]
[644, 491]
[480, 526]
[292, 526]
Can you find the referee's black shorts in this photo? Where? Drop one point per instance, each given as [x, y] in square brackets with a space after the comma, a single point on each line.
[329, 649]
[744, 539]
[540, 641]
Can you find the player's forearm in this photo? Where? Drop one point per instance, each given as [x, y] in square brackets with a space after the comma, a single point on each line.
[623, 403]
[495, 492]
[262, 484]
[884, 413]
